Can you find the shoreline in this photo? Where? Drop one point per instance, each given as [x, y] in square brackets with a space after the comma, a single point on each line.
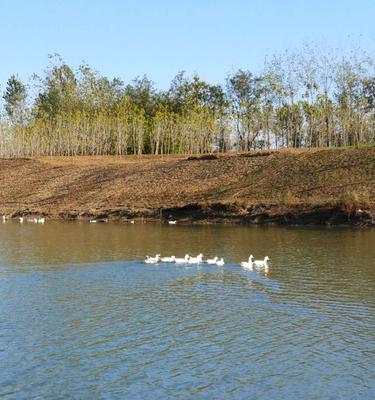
[330, 216]
[331, 187]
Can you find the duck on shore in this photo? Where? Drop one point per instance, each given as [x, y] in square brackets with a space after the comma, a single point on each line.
[94, 221]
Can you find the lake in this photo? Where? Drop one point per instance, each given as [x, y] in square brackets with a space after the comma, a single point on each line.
[82, 317]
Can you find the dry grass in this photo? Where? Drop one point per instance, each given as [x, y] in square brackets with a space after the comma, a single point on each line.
[94, 185]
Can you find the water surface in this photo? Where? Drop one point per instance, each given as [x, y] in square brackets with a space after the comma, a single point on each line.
[82, 317]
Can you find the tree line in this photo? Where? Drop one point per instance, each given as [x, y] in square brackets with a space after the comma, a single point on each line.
[302, 98]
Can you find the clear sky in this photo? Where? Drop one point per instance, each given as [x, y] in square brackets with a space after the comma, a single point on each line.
[161, 37]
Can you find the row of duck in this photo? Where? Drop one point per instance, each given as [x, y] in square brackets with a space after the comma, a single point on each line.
[21, 220]
[250, 264]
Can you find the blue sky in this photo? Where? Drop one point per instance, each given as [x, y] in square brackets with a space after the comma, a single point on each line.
[161, 37]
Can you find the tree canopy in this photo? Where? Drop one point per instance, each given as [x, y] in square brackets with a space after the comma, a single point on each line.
[304, 98]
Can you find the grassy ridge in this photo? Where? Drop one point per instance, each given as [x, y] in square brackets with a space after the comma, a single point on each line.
[292, 186]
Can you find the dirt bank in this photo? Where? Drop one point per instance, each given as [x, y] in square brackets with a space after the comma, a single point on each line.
[293, 187]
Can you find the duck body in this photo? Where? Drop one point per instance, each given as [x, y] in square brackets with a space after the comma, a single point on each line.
[212, 260]
[196, 260]
[168, 259]
[261, 263]
[220, 262]
[152, 260]
[249, 263]
[184, 260]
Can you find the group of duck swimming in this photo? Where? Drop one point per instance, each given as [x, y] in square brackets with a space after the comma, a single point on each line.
[250, 264]
[185, 260]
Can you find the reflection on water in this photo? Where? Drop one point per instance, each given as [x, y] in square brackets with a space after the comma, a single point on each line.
[82, 317]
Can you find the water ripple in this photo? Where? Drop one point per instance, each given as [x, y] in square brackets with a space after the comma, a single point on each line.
[114, 330]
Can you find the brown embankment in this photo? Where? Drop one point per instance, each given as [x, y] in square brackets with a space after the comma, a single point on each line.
[316, 186]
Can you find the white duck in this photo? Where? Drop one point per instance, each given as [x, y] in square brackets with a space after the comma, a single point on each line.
[248, 264]
[168, 259]
[184, 260]
[212, 260]
[41, 220]
[262, 263]
[4, 218]
[172, 222]
[21, 220]
[152, 260]
[196, 260]
[220, 262]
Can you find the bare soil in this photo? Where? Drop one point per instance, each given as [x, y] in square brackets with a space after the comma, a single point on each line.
[314, 186]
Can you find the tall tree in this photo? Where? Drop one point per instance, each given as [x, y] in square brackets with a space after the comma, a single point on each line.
[244, 91]
[15, 100]
[58, 94]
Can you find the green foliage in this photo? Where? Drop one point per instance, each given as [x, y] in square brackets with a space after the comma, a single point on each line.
[15, 100]
[300, 99]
